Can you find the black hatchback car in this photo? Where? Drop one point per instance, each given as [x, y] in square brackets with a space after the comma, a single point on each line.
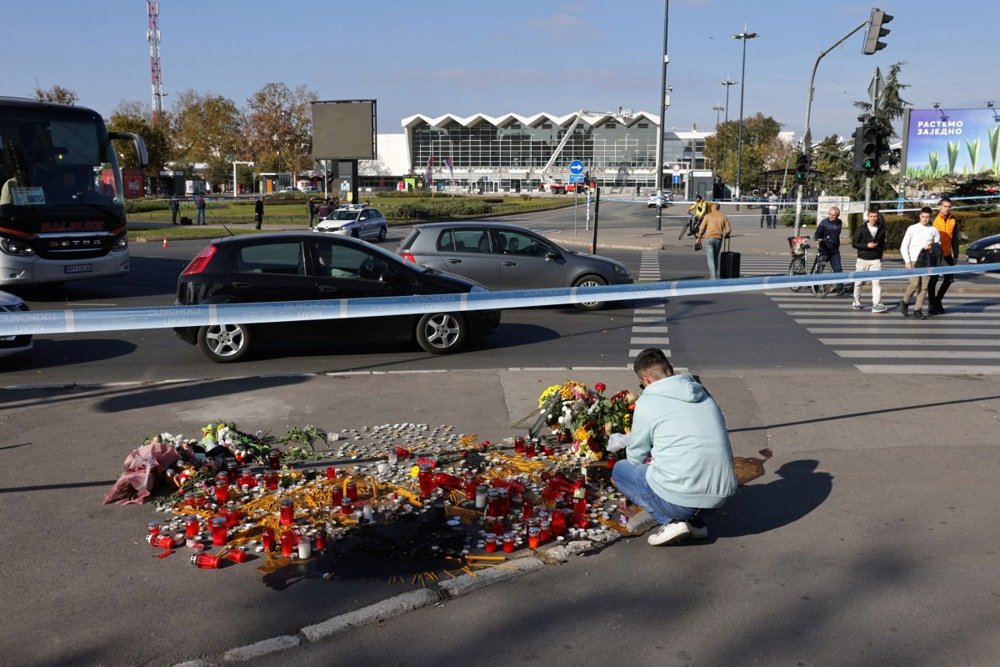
[984, 251]
[298, 266]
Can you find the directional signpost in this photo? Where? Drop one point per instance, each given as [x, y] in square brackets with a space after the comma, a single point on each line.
[576, 168]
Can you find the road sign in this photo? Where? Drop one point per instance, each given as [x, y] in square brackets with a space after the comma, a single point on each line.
[677, 179]
[576, 178]
[576, 167]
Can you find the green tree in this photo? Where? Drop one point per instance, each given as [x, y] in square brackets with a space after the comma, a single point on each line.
[762, 150]
[278, 125]
[207, 129]
[133, 117]
[57, 94]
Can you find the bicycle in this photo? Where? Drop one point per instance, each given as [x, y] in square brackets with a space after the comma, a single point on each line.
[690, 228]
[797, 267]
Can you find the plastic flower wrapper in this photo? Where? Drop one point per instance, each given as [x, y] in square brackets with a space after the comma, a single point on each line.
[144, 467]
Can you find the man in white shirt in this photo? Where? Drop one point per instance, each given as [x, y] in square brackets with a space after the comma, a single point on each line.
[917, 249]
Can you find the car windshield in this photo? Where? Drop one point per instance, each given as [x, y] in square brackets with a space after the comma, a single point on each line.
[343, 215]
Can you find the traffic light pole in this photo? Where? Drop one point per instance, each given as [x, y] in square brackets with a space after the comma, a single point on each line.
[807, 135]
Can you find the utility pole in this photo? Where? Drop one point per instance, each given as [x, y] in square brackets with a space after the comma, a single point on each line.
[664, 103]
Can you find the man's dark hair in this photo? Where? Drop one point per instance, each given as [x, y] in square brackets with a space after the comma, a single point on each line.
[652, 357]
[927, 210]
[873, 208]
[943, 200]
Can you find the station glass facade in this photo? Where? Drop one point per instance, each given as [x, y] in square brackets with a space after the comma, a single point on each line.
[510, 153]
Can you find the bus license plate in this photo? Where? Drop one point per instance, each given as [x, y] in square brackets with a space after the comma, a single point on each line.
[79, 268]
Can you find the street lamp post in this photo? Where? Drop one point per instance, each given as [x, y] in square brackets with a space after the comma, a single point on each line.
[725, 140]
[742, 36]
[664, 102]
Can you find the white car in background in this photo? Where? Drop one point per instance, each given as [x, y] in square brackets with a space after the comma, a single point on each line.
[361, 222]
[658, 200]
[9, 345]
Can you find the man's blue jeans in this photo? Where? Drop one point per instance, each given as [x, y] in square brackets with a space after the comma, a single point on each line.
[712, 249]
[834, 261]
[630, 479]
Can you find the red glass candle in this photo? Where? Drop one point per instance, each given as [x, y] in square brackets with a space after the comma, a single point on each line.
[529, 449]
[233, 514]
[503, 501]
[267, 539]
[548, 449]
[508, 542]
[497, 527]
[220, 535]
[490, 543]
[558, 522]
[346, 505]
[534, 537]
[248, 480]
[425, 476]
[274, 459]
[205, 561]
[287, 512]
[331, 473]
[470, 485]
[221, 491]
[287, 543]
[321, 540]
[336, 495]
[351, 490]
[545, 530]
[192, 527]
[160, 541]
[519, 445]
[237, 555]
[153, 528]
[232, 471]
[527, 510]
[271, 481]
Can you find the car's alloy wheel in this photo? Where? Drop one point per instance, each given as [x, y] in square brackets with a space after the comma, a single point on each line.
[224, 343]
[381, 234]
[440, 333]
[590, 281]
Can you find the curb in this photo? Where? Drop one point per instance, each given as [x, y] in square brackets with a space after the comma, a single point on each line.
[389, 608]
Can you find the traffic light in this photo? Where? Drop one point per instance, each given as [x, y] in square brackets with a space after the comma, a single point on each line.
[866, 145]
[801, 168]
[876, 31]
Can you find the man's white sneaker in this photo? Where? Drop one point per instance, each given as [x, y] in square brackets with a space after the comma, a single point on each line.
[879, 308]
[668, 533]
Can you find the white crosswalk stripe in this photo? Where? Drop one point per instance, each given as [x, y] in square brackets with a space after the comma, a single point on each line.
[649, 324]
[961, 342]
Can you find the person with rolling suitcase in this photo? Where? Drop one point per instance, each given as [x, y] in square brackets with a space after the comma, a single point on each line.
[729, 262]
[713, 228]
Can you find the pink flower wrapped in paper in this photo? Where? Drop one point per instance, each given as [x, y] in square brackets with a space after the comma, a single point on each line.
[144, 468]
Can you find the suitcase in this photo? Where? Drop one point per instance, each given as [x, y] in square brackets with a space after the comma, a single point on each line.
[729, 262]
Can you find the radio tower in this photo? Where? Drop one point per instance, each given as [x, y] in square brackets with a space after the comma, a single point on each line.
[153, 37]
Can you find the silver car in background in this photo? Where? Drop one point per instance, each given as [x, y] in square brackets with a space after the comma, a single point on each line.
[502, 256]
[360, 222]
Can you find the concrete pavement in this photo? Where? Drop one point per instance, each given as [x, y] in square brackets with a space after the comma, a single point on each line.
[872, 522]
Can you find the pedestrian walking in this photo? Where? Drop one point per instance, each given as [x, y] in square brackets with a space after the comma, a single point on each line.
[311, 209]
[713, 228]
[772, 210]
[323, 209]
[175, 207]
[258, 211]
[199, 207]
[947, 225]
[921, 246]
[869, 241]
[679, 462]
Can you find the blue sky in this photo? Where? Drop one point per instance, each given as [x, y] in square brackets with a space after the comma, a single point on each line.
[441, 56]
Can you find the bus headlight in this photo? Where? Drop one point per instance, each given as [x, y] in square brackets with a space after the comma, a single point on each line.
[120, 242]
[16, 248]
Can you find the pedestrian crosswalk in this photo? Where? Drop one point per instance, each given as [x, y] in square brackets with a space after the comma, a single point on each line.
[961, 342]
[649, 323]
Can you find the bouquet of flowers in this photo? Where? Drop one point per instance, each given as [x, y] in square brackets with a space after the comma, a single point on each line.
[587, 417]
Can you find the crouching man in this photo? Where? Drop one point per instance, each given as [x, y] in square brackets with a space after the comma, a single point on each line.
[678, 460]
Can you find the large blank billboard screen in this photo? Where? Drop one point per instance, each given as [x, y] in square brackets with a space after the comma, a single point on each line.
[344, 129]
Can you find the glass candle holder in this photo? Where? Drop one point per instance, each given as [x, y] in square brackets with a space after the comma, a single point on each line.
[192, 527]
[481, 495]
[287, 512]
[219, 530]
[274, 459]
[267, 539]
[221, 491]
[534, 537]
[287, 543]
[205, 561]
[425, 477]
[237, 555]
[490, 541]
[508, 542]
[153, 528]
[271, 481]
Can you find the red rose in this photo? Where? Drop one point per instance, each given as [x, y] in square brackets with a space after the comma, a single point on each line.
[600, 387]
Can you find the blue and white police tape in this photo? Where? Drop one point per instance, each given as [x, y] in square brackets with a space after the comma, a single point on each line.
[166, 317]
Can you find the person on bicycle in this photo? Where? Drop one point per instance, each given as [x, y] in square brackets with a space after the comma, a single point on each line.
[698, 209]
[827, 239]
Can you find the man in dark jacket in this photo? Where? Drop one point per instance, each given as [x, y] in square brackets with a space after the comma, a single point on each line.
[869, 241]
[258, 211]
[827, 239]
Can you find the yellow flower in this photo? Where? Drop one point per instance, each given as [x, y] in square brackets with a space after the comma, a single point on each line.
[582, 435]
[547, 394]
